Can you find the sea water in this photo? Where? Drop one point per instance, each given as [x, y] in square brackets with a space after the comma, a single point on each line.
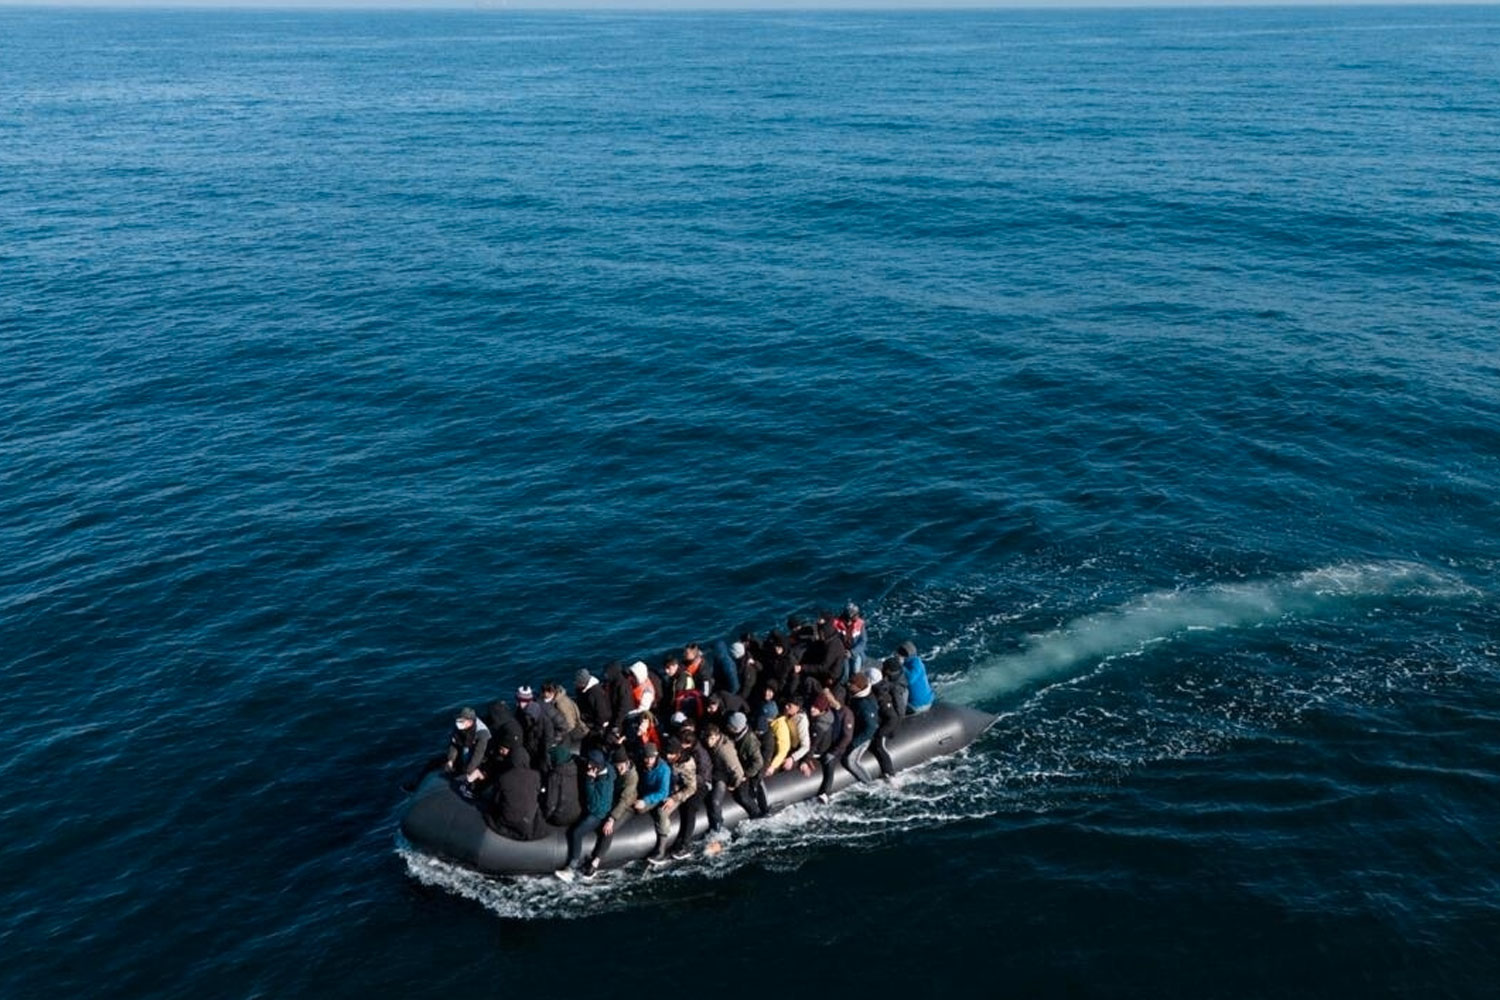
[1140, 367]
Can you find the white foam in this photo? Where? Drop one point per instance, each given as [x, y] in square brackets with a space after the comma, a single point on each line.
[1167, 615]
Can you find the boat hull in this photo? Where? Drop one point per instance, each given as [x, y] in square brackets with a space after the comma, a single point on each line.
[440, 822]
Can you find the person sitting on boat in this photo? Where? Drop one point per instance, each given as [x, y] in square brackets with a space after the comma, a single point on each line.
[626, 794]
[722, 704]
[645, 690]
[726, 667]
[833, 733]
[747, 666]
[565, 715]
[889, 721]
[538, 730]
[832, 655]
[672, 677]
[517, 790]
[683, 800]
[503, 724]
[655, 789]
[799, 634]
[684, 690]
[694, 752]
[898, 687]
[778, 662]
[592, 701]
[725, 775]
[790, 738]
[921, 696]
[752, 794]
[866, 724]
[695, 669]
[806, 682]
[598, 798]
[561, 804]
[851, 628]
[467, 745]
[642, 733]
[769, 709]
[617, 684]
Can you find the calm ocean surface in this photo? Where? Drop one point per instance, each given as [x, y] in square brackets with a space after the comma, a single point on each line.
[1143, 367]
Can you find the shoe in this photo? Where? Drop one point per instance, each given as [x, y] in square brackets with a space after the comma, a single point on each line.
[590, 870]
[658, 861]
[566, 874]
[682, 853]
[824, 798]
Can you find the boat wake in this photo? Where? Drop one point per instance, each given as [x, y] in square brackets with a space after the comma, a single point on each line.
[1165, 616]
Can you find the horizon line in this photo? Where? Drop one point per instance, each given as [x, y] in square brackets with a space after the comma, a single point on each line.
[733, 7]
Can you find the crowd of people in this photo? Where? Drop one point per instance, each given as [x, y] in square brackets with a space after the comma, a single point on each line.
[684, 736]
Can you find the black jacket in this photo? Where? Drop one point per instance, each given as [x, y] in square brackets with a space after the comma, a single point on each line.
[562, 805]
[517, 812]
[505, 728]
[594, 708]
[747, 745]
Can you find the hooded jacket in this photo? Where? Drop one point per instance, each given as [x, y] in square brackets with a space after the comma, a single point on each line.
[726, 764]
[747, 749]
[599, 792]
[517, 812]
[916, 681]
[593, 705]
[642, 691]
[561, 805]
[505, 728]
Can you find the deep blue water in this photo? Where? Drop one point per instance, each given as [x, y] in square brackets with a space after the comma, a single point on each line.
[1140, 366]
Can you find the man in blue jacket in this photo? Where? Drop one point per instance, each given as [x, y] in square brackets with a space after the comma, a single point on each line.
[656, 786]
[598, 796]
[921, 697]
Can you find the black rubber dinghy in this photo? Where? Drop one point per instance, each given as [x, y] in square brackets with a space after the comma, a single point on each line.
[440, 822]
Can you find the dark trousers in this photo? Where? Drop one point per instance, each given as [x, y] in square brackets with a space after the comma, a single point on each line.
[877, 746]
[601, 844]
[751, 795]
[585, 826]
[830, 765]
[716, 805]
[856, 767]
[687, 816]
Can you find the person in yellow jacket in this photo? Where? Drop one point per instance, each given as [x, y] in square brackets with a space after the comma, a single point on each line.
[790, 739]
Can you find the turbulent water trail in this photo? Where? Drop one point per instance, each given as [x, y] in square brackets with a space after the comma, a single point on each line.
[1167, 615]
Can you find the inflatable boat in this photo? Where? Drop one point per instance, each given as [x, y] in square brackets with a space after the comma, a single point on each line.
[440, 822]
